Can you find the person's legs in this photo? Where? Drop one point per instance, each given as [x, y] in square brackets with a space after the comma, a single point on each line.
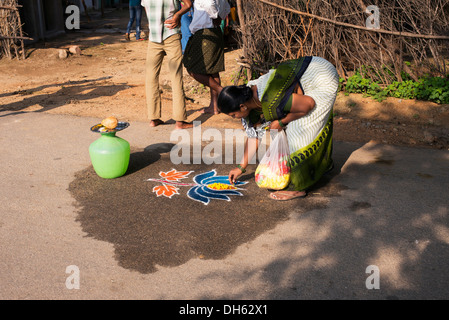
[172, 47]
[208, 80]
[132, 17]
[204, 59]
[155, 56]
[214, 83]
[138, 21]
[213, 105]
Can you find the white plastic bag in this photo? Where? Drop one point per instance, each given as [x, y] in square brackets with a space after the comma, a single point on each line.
[273, 171]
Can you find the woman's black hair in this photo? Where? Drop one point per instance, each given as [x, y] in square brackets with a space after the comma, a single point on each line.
[231, 97]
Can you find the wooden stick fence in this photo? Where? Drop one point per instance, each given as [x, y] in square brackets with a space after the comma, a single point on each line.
[348, 25]
[411, 39]
[11, 34]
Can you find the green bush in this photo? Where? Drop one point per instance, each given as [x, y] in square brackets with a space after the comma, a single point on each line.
[435, 89]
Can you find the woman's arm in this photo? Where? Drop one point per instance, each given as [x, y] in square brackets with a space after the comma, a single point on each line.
[301, 106]
[251, 146]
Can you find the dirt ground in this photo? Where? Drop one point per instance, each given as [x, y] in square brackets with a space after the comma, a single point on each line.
[108, 79]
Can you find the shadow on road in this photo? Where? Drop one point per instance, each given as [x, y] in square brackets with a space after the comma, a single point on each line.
[381, 210]
[68, 92]
[392, 213]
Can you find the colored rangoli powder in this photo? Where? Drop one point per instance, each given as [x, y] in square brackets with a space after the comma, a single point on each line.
[220, 186]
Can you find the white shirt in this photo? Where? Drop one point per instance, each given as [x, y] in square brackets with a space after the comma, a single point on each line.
[204, 11]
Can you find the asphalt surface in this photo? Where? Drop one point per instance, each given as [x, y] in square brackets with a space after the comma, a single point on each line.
[382, 206]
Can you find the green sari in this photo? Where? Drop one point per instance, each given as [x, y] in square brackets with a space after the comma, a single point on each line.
[309, 163]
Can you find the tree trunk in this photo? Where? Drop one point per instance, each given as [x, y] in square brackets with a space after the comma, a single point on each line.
[242, 25]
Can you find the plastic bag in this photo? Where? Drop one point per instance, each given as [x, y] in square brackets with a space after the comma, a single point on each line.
[273, 171]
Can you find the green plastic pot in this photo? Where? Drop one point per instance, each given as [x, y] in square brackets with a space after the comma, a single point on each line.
[110, 155]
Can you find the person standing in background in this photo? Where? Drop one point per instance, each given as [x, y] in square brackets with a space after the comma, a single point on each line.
[135, 14]
[164, 19]
[204, 53]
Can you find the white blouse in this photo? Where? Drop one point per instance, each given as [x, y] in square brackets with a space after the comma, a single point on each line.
[204, 11]
[261, 84]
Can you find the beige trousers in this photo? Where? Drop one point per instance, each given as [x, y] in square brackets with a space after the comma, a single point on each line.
[170, 47]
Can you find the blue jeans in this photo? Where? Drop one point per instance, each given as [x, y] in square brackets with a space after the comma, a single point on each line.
[135, 13]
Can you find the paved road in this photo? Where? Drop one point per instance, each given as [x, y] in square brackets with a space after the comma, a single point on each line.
[383, 208]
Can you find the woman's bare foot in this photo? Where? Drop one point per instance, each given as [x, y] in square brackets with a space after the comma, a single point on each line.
[156, 122]
[287, 195]
[183, 125]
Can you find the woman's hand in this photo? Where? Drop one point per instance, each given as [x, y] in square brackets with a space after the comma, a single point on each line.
[234, 174]
[275, 125]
